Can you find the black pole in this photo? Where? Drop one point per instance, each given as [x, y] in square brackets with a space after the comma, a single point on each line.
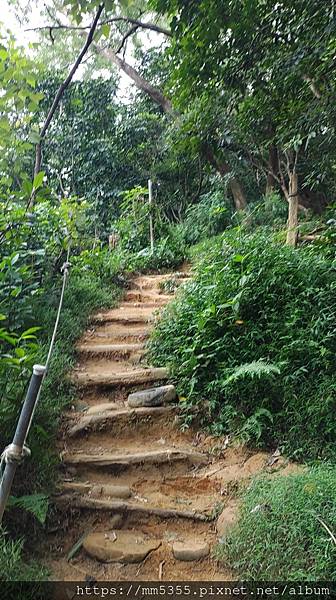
[15, 451]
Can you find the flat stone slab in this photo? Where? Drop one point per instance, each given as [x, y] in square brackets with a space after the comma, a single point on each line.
[188, 551]
[119, 546]
[100, 420]
[99, 490]
[168, 455]
[122, 378]
[106, 349]
[153, 397]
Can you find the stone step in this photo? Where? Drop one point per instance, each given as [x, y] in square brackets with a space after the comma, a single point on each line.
[153, 457]
[117, 350]
[119, 546]
[85, 501]
[99, 419]
[152, 282]
[126, 314]
[139, 297]
[123, 378]
[103, 407]
[153, 304]
[118, 333]
[97, 490]
[187, 496]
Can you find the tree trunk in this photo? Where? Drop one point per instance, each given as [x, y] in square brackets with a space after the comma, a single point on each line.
[223, 169]
[238, 194]
[271, 182]
[293, 206]
[141, 83]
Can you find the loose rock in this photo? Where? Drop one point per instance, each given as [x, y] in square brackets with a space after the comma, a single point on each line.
[152, 397]
[110, 491]
[119, 546]
[187, 551]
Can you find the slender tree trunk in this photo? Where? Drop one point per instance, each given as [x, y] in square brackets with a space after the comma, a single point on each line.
[59, 95]
[293, 206]
[223, 169]
[235, 186]
[271, 182]
[238, 194]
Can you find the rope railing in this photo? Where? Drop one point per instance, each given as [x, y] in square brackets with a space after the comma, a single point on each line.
[14, 453]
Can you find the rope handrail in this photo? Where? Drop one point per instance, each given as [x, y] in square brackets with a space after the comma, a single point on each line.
[15, 452]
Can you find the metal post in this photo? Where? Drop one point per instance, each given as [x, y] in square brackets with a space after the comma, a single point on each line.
[16, 449]
[151, 228]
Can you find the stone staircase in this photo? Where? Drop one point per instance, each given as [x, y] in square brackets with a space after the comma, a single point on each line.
[136, 494]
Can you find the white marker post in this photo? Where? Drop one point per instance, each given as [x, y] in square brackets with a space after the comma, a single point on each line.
[151, 228]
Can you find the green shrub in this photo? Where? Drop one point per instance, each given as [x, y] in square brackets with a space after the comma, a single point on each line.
[271, 211]
[281, 532]
[251, 342]
[168, 252]
[210, 216]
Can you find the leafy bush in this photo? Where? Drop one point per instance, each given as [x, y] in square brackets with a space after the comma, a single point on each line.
[282, 532]
[210, 216]
[169, 252]
[251, 342]
[85, 292]
[271, 211]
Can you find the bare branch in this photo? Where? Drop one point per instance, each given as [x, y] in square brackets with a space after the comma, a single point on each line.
[141, 83]
[136, 22]
[130, 32]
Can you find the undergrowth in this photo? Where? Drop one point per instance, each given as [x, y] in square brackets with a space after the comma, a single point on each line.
[251, 343]
[281, 534]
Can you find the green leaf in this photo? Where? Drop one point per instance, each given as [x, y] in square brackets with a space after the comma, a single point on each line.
[28, 334]
[38, 180]
[106, 29]
[256, 368]
[238, 258]
[27, 187]
[34, 137]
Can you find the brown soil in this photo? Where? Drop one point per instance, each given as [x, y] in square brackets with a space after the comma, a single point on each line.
[185, 486]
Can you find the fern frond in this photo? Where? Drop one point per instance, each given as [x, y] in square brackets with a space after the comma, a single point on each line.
[256, 368]
[36, 504]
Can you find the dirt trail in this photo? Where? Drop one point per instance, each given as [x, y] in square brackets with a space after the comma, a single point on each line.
[146, 496]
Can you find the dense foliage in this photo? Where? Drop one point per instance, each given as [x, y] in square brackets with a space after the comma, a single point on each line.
[281, 534]
[251, 343]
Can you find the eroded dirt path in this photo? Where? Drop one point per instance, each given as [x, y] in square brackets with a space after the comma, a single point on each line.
[144, 495]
